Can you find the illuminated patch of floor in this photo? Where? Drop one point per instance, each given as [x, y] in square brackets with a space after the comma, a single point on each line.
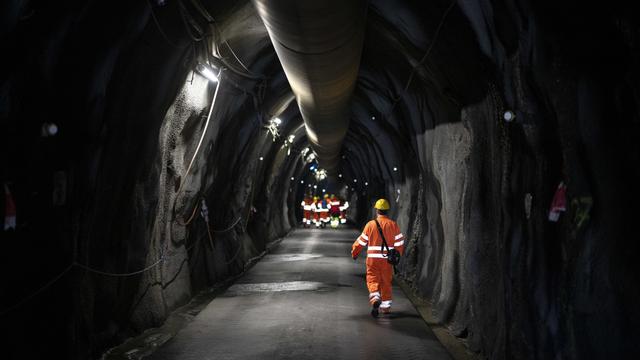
[290, 257]
[246, 289]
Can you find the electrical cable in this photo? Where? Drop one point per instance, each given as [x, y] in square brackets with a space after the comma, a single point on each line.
[422, 60]
[229, 228]
[190, 23]
[204, 132]
[85, 267]
[226, 42]
[37, 292]
[193, 215]
[164, 35]
[162, 258]
[233, 258]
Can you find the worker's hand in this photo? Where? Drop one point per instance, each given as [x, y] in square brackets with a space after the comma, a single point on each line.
[355, 257]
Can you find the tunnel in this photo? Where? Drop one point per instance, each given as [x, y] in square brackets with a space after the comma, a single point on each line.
[155, 155]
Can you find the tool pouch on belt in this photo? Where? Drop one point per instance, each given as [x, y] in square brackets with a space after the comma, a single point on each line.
[393, 256]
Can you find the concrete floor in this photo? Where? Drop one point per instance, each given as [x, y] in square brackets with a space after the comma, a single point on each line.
[305, 300]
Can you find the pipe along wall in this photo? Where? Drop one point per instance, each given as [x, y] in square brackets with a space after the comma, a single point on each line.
[109, 193]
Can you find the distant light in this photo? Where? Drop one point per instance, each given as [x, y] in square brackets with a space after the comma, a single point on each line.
[373, 118]
[49, 129]
[301, 181]
[315, 186]
[291, 138]
[207, 71]
[292, 178]
[355, 180]
[261, 158]
[277, 121]
[352, 189]
[395, 168]
[323, 190]
[288, 151]
[309, 185]
[366, 184]
[509, 116]
[339, 175]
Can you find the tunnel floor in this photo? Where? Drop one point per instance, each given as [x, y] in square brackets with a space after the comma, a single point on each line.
[305, 300]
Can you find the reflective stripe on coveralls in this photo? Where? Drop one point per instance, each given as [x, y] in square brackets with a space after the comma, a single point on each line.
[379, 271]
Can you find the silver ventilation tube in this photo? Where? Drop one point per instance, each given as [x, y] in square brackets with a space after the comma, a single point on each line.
[319, 43]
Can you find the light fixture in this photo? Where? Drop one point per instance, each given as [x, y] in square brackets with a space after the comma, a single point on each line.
[49, 129]
[509, 116]
[291, 137]
[355, 180]
[301, 181]
[339, 175]
[309, 185]
[366, 184]
[276, 121]
[373, 118]
[207, 71]
[395, 168]
[323, 190]
[292, 178]
[315, 186]
[261, 158]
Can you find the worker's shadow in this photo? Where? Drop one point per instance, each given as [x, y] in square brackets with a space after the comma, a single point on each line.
[399, 315]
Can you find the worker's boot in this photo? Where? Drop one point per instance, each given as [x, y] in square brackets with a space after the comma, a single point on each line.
[386, 310]
[374, 310]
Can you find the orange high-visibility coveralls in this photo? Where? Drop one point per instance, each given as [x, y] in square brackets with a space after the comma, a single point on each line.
[379, 271]
[308, 212]
[316, 211]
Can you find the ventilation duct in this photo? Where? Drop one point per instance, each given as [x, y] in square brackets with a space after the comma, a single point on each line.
[319, 44]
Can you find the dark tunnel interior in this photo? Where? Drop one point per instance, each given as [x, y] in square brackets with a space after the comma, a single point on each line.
[465, 114]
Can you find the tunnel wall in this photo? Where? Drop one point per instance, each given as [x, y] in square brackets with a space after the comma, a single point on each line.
[512, 285]
[131, 110]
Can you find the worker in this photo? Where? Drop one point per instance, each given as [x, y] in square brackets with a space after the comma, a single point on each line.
[316, 208]
[343, 212]
[334, 211]
[306, 208]
[324, 215]
[379, 270]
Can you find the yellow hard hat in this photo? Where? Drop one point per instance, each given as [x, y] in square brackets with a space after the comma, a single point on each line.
[326, 196]
[382, 204]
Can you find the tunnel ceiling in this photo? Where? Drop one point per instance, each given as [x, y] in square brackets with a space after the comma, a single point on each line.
[397, 62]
